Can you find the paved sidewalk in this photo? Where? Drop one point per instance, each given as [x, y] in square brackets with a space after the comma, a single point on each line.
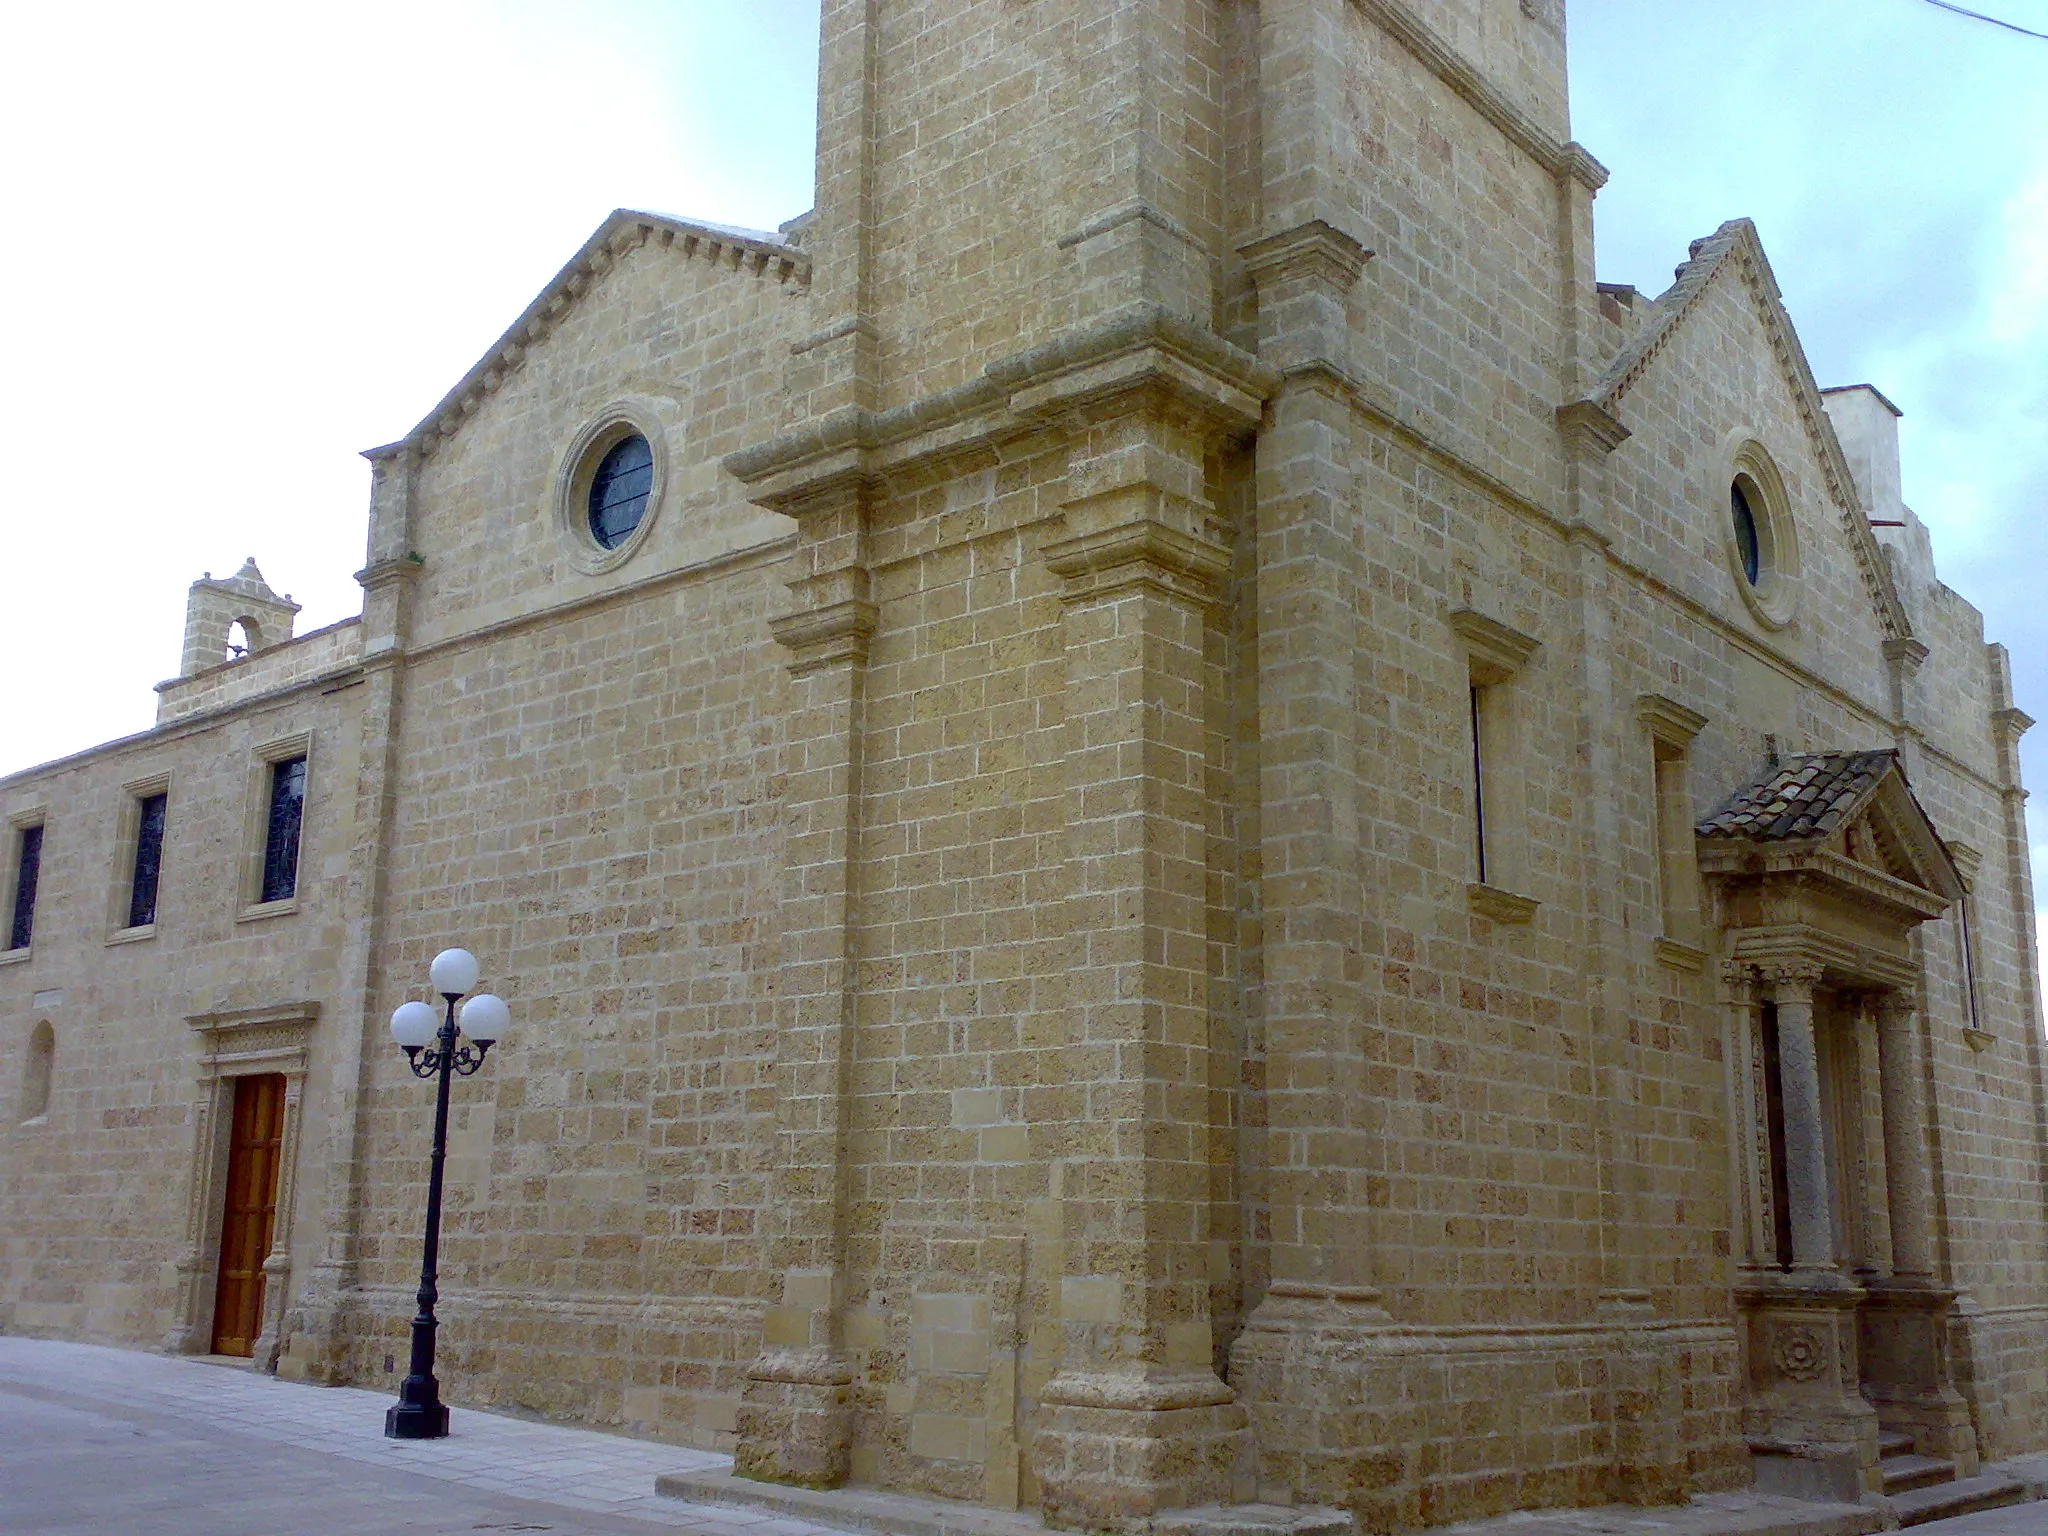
[111, 1442]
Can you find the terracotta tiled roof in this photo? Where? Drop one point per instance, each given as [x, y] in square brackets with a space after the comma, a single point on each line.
[1800, 797]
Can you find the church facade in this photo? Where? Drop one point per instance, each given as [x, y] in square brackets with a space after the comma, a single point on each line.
[1170, 819]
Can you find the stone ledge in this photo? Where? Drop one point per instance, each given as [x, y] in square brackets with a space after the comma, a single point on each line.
[903, 1514]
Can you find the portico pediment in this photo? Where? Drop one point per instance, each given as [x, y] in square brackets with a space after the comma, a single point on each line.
[1831, 843]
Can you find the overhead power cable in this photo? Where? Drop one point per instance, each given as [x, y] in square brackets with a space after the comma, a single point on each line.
[1980, 16]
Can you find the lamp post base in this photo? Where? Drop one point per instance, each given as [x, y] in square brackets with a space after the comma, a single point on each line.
[419, 1413]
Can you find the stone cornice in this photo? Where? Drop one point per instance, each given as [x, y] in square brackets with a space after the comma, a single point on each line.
[1906, 653]
[818, 637]
[1668, 720]
[1563, 160]
[1014, 396]
[2011, 725]
[1316, 249]
[1590, 431]
[1135, 209]
[625, 230]
[1143, 553]
[1499, 650]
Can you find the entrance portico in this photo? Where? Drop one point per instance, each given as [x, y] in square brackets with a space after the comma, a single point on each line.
[1822, 870]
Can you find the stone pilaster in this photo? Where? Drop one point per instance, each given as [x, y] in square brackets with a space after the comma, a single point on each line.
[1136, 1420]
[313, 1335]
[795, 1418]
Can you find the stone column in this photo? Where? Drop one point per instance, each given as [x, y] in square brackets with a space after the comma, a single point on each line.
[1136, 1419]
[795, 1418]
[1908, 1176]
[1806, 1158]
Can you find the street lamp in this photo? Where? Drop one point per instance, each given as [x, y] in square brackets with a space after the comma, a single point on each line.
[430, 1045]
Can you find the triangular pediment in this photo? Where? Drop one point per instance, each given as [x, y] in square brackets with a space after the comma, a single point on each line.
[1837, 808]
[1734, 255]
[756, 254]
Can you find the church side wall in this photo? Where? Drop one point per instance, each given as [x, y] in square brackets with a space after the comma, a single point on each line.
[95, 1193]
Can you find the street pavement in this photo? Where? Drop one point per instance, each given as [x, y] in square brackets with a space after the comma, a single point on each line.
[110, 1442]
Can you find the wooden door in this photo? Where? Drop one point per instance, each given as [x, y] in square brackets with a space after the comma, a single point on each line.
[250, 1213]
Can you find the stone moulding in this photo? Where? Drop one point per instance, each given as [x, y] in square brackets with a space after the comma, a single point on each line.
[1013, 397]
[736, 250]
[1737, 239]
[1563, 160]
[1317, 248]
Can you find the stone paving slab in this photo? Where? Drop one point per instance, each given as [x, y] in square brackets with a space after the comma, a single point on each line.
[109, 1442]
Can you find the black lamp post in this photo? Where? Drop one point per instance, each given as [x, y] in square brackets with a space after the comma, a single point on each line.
[431, 1046]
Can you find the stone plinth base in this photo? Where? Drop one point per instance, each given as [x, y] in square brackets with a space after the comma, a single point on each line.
[1903, 1344]
[1409, 1426]
[1807, 1417]
[1114, 1449]
[796, 1420]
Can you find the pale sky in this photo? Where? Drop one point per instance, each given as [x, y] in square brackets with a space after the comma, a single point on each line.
[247, 240]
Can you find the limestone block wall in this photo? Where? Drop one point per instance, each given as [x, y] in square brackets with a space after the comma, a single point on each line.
[608, 849]
[310, 655]
[95, 1194]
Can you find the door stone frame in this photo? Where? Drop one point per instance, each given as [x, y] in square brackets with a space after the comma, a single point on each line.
[244, 1042]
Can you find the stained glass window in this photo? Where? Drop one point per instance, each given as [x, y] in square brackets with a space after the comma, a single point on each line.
[29, 864]
[619, 491]
[281, 843]
[1745, 534]
[149, 856]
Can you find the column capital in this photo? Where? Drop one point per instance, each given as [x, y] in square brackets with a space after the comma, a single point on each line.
[1792, 981]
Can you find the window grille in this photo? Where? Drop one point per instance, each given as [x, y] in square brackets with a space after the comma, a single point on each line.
[281, 841]
[29, 865]
[149, 855]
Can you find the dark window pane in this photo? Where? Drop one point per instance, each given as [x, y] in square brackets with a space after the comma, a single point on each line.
[281, 844]
[149, 855]
[29, 864]
[619, 491]
[1745, 534]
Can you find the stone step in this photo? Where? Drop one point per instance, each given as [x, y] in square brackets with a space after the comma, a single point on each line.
[1963, 1496]
[1895, 1442]
[1905, 1472]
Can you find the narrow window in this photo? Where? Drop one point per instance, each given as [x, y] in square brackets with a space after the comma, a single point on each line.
[35, 1077]
[1966, 935]
[149, 857]
[1479, 779]
[281, 839]
[28, 865]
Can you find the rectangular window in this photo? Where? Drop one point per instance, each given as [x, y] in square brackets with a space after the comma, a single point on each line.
[149, 856]
[281, 837]
[28, 865]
